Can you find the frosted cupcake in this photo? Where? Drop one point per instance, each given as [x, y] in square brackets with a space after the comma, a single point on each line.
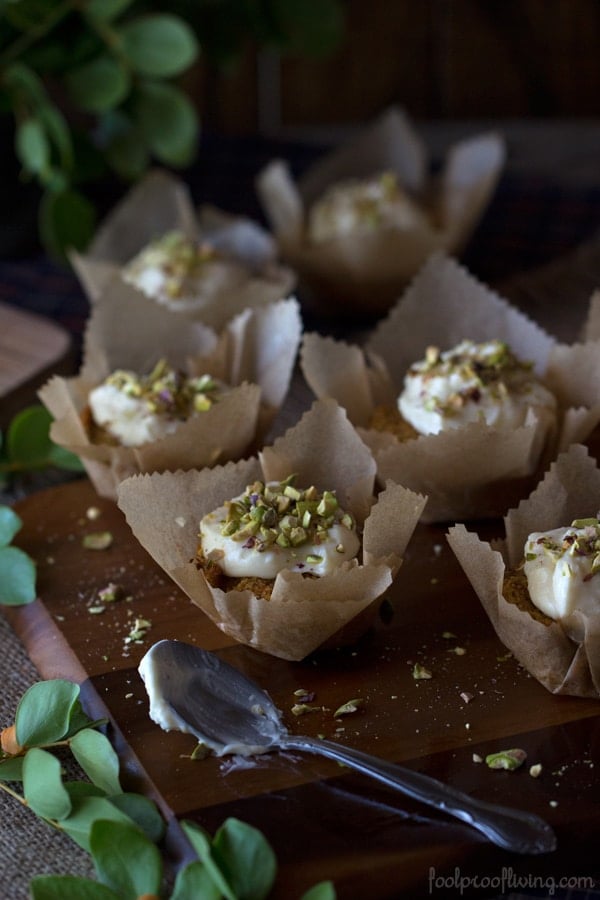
[157, 392]
[363, 220]
[285, 551]
[458, 394]
[540, 585]
[209, 266]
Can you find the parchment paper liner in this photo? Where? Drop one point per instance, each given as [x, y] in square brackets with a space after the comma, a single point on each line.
[569, 490]
[164, 511]
[255, 354]
[366, 272]
[476, 471]
[160, 203]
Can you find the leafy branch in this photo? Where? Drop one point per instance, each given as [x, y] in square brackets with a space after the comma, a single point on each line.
[120, 830]
[27, 446]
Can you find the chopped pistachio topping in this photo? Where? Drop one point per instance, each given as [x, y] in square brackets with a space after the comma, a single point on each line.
[584, 540]
[490, 366]
[177, 256]
[351, 706]
[166, 390]
[506, 759]
[97, 540]
[282, 514]
[419, 672]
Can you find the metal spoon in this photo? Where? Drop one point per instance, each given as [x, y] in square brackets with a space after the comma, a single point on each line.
[194, 691]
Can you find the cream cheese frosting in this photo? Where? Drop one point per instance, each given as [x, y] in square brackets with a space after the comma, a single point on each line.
[276, 526]
[138, 409]
[175, 267]
[469, 383]
[562, 567]
[358, 205]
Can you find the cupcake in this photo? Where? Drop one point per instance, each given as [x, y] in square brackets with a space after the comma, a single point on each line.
[158, 392]
[287, 551]
[208, 266]
[363, 219]
[540, 585]
[458, 394]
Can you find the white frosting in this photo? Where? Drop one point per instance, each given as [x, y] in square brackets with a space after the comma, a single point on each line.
[133, 418]
[469, 383]
[363, 204]
[174, 268]
[562, 567]
[239, 557]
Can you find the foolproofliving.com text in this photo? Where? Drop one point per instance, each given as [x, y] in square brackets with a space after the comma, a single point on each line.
[506, 880]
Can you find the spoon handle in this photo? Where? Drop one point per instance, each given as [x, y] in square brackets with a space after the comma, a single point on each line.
[512, 829]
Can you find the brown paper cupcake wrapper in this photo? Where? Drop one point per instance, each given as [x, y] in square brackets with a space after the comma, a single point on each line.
[367, 272]
[476, 471]
[164, 512]
[161, 203]
[255, 355]
[570, 490]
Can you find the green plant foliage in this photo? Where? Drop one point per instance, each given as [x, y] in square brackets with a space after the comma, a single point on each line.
[44, 712]
[17, 570]
[125, 859]
[94, 753]
[243, 853]
[42, 785]
[167, 120]
[158, 45]
[67, 220]
[100, 84]
[143, 812]
[28, 446]
[69, 887]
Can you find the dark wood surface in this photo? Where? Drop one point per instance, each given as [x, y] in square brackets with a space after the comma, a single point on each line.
[323, 821]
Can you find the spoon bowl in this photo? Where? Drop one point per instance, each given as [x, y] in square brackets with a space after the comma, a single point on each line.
[194, 691]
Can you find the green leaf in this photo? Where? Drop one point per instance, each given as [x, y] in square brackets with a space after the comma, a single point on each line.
[127, 152]
[10, 524]
[168, 121]
[107, 10]
[94, 753]
[44, 712]
[79, 790]
[325, 890]
[143, 812]
[80, 720]
[192, 882]
[11, 769]
[31, 145]
[17, 577]
[99, 85]
[245, 856]
[68, 887]
[28, 437]
[58, 132]
[64, 459]
[85, 812]
[27, 14]
[159, 45]
[200, 842]
[66, 221]
[21, 78]
[125, 859]
[42, 785]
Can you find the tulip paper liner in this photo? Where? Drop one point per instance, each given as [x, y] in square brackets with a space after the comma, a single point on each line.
[563, 662]
[478, 470]
[164, 512]
[254, 355]
[248, 275]
[365, 271]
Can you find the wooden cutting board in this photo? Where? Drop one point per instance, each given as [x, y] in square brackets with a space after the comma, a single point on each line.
[324, 821]
[31, 348]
